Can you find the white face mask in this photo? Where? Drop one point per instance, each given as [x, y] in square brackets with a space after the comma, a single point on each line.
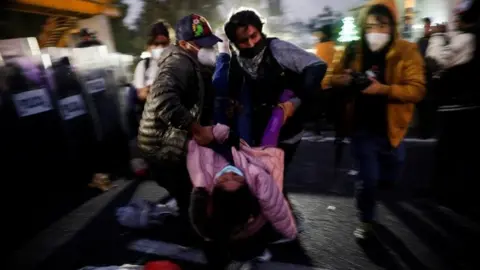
[207, 57]
[228, 169]
[377, 41]
[157, 52]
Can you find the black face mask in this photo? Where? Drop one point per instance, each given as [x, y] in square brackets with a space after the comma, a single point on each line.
[255, 50]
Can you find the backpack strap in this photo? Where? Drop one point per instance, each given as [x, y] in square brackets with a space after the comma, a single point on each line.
[146, 65]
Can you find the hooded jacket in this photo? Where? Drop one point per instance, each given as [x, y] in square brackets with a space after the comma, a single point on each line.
[404, 76]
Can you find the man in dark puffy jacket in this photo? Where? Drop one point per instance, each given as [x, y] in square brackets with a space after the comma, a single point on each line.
[173, 112]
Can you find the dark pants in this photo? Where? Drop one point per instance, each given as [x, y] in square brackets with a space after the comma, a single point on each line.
[427, 118]
[174, 177]
[377, 161]
[289, 152]
[220, 253]
[455, 180]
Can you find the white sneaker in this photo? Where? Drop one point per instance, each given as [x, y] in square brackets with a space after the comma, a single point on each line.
[265, 257]
[172, 203]
[352, 172]
[363, 231]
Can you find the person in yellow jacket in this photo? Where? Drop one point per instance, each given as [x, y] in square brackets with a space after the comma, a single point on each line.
[382, 110]
[325, 50]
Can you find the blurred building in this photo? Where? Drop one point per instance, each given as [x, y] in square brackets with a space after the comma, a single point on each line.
[58, 22]
[411, 13]
[275, 7]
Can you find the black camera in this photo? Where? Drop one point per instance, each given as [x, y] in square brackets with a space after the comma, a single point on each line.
[360, 81]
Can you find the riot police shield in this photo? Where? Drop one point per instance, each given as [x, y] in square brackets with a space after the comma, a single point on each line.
[77, 119]
[102, 94]
[33, 146]
[31, 123]
[121, 65]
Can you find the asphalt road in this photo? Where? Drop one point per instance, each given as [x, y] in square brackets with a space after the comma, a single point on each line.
[413, 232]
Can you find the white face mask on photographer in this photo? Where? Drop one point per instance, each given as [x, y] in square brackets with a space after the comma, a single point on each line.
[377, 41]
[157, 52]
[207, 57]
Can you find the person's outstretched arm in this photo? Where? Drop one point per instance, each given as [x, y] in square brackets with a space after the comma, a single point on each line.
[300, 61]
[220, 75]
[309, 66]
[220, 81]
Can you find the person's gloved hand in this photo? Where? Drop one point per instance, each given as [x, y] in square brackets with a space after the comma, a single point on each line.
[288, 109]
[287, 104]
[224, 46]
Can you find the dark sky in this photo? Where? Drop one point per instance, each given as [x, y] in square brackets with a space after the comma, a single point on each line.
[294, 10]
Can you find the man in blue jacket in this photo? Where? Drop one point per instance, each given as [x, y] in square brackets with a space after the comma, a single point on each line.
[259, 73]
[249, 85]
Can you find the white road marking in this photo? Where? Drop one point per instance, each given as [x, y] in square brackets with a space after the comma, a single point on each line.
[454, 108]
[317, 138]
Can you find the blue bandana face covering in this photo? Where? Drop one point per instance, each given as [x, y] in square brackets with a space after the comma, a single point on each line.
[227, 169]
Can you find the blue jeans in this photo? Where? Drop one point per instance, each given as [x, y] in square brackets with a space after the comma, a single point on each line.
[377, 161]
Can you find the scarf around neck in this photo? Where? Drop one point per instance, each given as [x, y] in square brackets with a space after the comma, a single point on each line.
[250, 65]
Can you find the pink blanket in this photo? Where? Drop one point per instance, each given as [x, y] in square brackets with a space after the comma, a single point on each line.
[263, 169]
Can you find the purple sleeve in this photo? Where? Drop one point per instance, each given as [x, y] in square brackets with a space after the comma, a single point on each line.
[272, 132]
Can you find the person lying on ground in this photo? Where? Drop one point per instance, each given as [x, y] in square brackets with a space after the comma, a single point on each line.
[237, 198]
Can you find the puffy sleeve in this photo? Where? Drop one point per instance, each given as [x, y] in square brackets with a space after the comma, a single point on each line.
[164, 97]
[298, 60]
[274, 206]
[411, 87]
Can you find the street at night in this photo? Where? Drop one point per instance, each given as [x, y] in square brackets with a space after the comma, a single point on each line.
[413, 232]
[240, 134]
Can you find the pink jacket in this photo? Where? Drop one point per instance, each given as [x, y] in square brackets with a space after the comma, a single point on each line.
[263, 168]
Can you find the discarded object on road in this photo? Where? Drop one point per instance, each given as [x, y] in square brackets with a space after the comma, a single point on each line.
[331, 208]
